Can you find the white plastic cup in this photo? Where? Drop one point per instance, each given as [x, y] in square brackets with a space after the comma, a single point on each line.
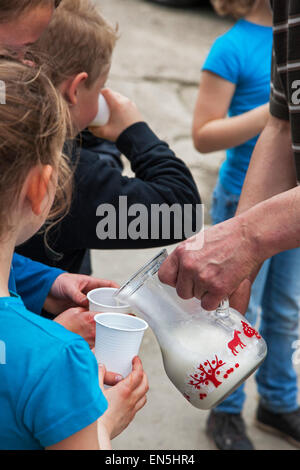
[118, 340]
[103, 115]
[103, 300]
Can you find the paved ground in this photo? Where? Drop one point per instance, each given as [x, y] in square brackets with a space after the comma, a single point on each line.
[157, 63]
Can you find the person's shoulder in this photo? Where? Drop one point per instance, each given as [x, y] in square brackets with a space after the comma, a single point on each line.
[243, 37]
[228, 42]
[225, 56]
[246, 31]
[37, 347]
[230, 34]
[44, 331]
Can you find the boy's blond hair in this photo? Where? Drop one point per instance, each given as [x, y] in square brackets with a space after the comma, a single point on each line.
[77, 40]
[235, 8]
[12, 9]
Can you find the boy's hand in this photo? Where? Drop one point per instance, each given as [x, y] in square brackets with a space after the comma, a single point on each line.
[79, 321]
[70, 290]
[124, 399]
[123, 113]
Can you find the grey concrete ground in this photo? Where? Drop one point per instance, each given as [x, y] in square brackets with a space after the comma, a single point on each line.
[157, 64]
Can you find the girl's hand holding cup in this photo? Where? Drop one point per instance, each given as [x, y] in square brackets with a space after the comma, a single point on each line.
[124, 399]
[123, 113]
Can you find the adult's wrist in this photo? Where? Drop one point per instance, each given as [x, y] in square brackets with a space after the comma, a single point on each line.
[251, 236]
[269, 227]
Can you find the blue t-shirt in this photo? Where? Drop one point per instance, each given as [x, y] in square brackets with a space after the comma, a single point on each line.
[242, 56]
[49, 386]
[32, 281]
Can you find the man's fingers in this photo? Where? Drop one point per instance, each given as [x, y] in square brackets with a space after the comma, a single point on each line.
[239, 300]
[199, 290]
[185, 284]
[211, 301]
[169, 270]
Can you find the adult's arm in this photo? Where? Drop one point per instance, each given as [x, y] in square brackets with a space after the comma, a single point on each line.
[226, 261]
[234, 250]
[268, 222]
[272, 166]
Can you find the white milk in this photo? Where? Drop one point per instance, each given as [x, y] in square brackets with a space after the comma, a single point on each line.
[192, 345]
[190, 337]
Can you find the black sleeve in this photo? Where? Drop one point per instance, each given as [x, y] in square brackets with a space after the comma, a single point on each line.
[90, 144]
[160, 178]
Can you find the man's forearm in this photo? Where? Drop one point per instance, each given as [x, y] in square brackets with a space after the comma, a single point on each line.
[272, 167]
[273, 225]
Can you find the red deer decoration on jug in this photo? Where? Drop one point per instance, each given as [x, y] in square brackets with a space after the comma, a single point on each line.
[235, 342]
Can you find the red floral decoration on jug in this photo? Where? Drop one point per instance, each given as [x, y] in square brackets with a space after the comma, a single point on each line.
[249, 331]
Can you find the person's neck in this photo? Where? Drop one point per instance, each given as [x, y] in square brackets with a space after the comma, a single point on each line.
[260, 14]
[6, 255]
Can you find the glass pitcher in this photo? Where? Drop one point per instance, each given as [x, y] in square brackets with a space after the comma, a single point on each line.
[206, 355]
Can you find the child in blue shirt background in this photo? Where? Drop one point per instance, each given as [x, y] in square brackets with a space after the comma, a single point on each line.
[50, 394]
[230, 113]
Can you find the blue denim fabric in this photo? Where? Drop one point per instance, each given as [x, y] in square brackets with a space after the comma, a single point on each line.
[275, 301]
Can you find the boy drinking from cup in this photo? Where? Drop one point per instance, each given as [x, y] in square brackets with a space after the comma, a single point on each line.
[81, 42]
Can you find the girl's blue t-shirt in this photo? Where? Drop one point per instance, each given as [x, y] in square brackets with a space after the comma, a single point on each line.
[32, 281]
[49, 387]
[242, 56]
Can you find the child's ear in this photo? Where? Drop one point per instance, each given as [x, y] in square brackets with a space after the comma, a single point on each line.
[73, 87]
[38, 183]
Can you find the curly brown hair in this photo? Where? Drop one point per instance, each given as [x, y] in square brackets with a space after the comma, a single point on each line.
[235, 8]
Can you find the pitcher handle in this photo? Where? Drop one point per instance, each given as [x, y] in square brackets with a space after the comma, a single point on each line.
[223, 309]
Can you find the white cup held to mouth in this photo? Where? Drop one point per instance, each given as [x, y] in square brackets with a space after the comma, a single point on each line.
[118, 340]
[103, 115]
[103, 300]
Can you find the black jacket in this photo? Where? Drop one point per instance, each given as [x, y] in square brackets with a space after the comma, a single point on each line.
[160, 178]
